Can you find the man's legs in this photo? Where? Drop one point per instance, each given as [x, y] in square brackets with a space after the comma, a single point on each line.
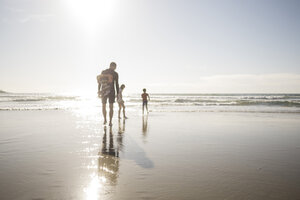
[104, 112]
[111, 112]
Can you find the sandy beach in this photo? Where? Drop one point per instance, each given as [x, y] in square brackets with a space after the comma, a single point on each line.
[210, 155]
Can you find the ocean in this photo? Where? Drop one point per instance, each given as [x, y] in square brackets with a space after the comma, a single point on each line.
[257, 103]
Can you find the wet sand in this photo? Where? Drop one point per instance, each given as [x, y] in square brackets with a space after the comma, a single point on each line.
[71, 155]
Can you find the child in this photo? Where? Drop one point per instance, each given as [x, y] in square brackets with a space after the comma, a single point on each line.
[145, 97]
[121, 102]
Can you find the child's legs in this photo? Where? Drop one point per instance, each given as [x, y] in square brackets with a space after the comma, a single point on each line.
[120, 107]
[146, 104]
[123, 105]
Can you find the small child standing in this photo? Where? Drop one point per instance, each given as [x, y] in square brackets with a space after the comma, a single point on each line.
[121, 102]
[145, 96]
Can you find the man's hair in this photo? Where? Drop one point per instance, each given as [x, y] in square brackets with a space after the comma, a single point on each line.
[144, 90]
[112, 64]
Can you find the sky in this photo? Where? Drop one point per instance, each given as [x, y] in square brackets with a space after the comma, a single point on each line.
[166, 46]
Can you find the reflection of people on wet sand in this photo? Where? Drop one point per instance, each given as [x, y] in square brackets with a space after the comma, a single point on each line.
[121, 127]
[109, 154]
[145, 124]
[108, 161]
[107, 81]
[145, 97]
[120, 134]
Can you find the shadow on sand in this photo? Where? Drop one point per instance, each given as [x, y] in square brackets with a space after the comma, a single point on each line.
[112, 151]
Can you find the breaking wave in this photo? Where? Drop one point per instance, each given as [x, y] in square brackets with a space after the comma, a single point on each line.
[29, 98]
[238, 103]
[159, 102]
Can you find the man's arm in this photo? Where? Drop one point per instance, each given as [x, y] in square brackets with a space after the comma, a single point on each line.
[148, 97]
[99, 85]
[117, 84]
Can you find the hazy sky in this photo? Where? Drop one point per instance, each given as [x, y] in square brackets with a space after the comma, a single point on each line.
[164, 45]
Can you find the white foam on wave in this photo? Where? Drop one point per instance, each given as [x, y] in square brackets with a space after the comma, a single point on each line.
[283, 103]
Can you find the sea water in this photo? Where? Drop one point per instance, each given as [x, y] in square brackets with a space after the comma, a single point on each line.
[265, 103]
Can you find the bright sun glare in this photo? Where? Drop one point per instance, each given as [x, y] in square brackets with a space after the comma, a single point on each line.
[96, 184]
[91, 13]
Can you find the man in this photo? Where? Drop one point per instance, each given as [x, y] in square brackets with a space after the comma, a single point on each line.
[107, 82]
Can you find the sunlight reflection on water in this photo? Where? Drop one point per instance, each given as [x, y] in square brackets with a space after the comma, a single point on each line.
[95, 185]
[100, 150]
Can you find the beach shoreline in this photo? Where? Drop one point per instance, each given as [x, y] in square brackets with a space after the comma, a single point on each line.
[211, 155]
